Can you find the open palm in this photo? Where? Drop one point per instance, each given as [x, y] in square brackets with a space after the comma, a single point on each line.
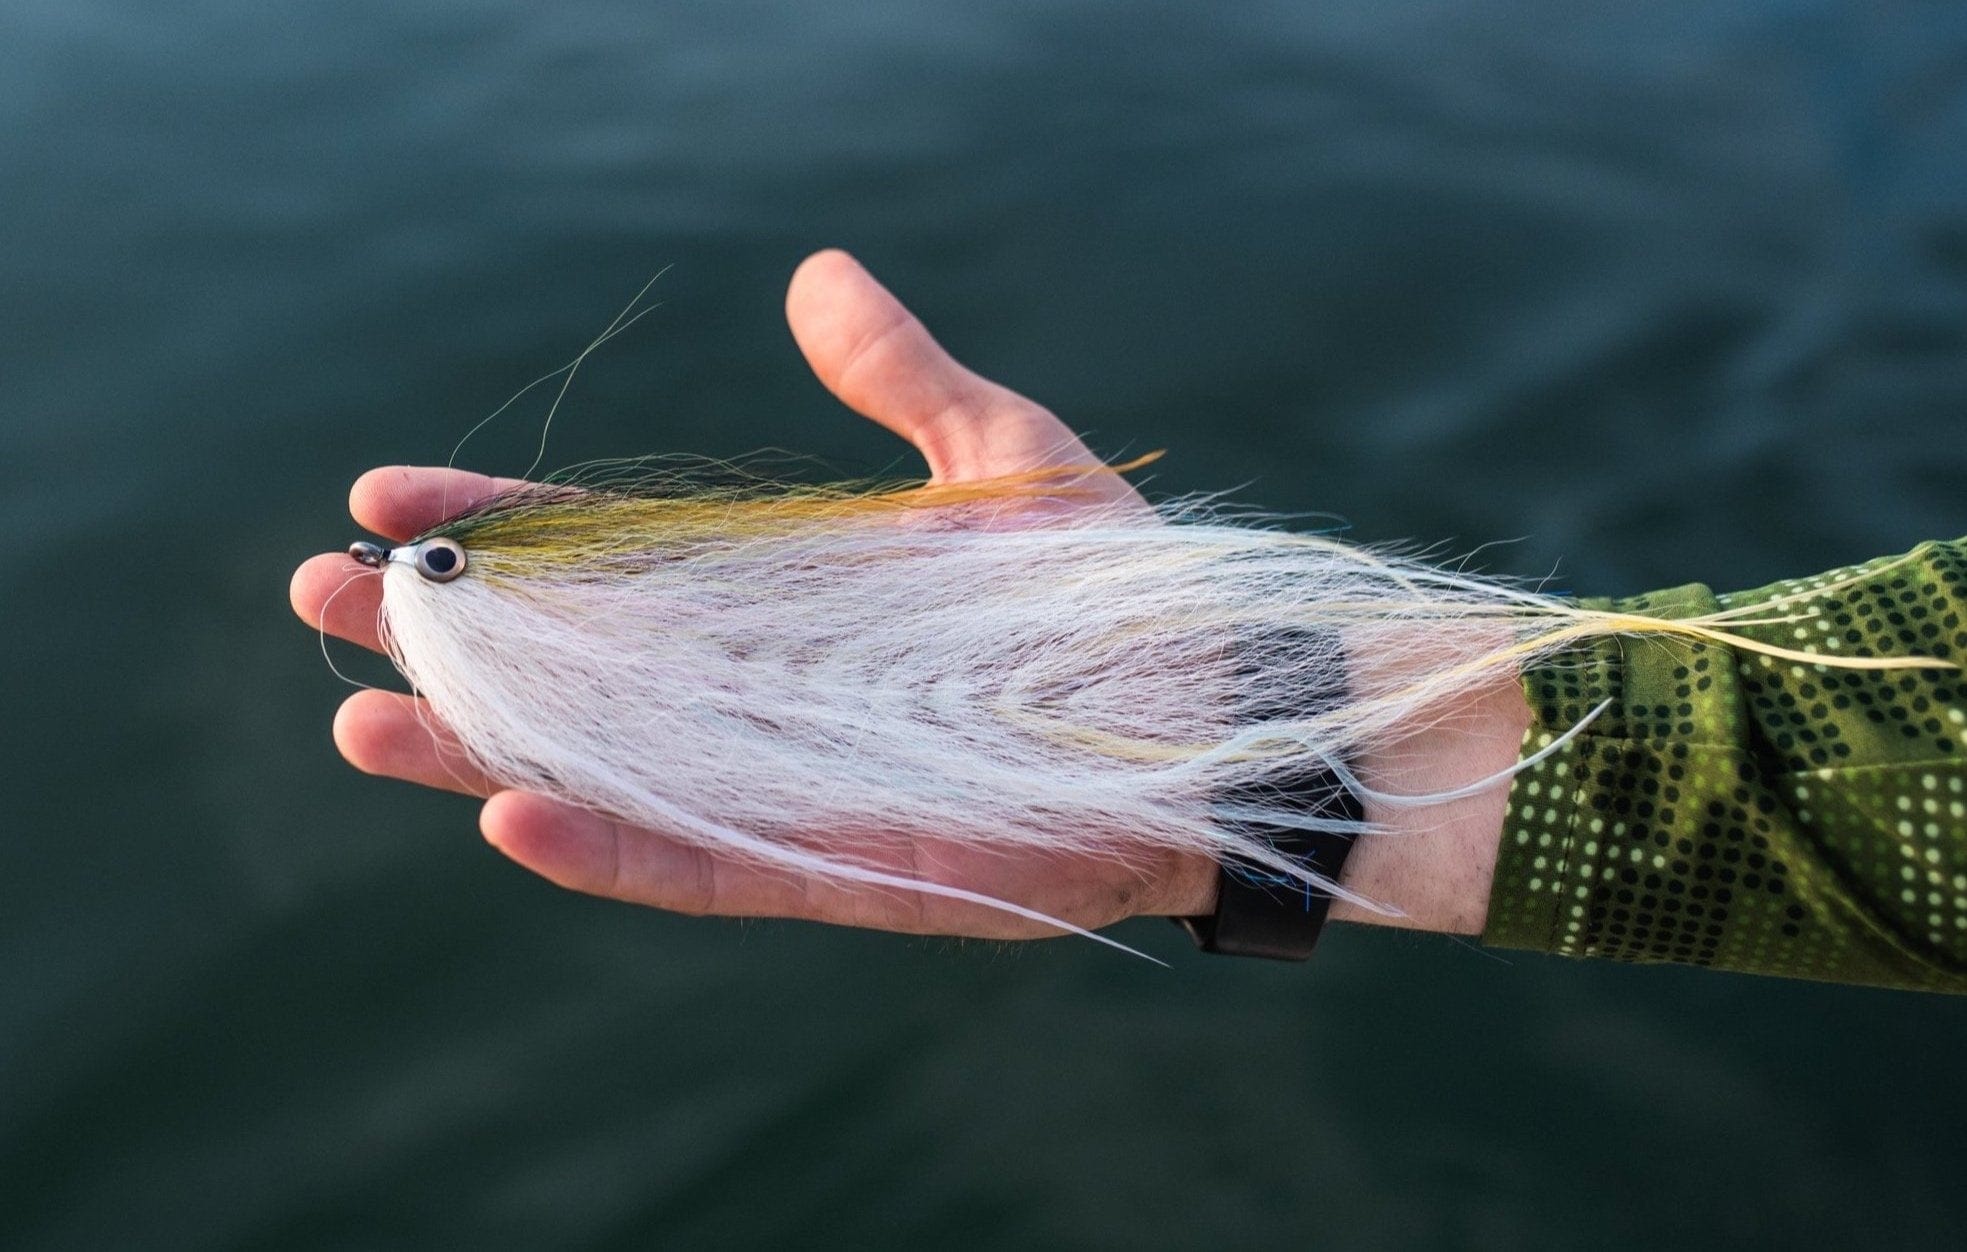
[880, 361]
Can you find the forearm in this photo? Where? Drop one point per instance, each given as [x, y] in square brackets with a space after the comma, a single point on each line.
[1725, 809]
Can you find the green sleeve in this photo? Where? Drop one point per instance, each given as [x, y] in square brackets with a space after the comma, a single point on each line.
[1743, 812]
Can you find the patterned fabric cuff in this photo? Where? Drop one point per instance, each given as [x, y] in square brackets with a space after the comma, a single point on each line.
[1745, 812]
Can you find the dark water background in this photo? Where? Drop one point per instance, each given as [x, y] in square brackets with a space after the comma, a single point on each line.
[1669, 292]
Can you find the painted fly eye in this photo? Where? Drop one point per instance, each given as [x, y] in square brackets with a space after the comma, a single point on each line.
[440, 560]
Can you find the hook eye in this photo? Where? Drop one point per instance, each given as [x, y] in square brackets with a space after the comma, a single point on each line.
[440, 560]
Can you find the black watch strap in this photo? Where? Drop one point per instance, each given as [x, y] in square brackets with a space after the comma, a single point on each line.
[1260, 912]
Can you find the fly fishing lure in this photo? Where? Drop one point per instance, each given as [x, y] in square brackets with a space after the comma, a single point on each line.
[751, 666]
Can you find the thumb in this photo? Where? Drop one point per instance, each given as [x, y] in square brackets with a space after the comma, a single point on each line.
[872, 353]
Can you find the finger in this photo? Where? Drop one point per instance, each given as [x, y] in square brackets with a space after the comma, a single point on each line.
[331, 592]
[583, 851]
[881, 362]
[401, 501]
[396, 736]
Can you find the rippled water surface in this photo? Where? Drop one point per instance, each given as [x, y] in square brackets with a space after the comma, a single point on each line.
[1663, 293]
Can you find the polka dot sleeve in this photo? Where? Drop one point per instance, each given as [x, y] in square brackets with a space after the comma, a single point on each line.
[1748, 813]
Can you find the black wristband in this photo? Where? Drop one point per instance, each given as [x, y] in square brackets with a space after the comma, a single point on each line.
[1260, 912]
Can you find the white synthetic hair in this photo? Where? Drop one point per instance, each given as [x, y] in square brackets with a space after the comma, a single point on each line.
[1109, 681]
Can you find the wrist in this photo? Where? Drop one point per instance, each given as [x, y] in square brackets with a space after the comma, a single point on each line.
[1436, 862]
[1433, 862]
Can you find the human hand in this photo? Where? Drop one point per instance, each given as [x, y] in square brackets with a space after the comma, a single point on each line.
[880, 361]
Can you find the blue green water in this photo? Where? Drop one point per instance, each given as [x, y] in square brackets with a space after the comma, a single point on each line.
[1663, 293]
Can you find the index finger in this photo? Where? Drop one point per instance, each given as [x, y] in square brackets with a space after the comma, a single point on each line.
[402, 501]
